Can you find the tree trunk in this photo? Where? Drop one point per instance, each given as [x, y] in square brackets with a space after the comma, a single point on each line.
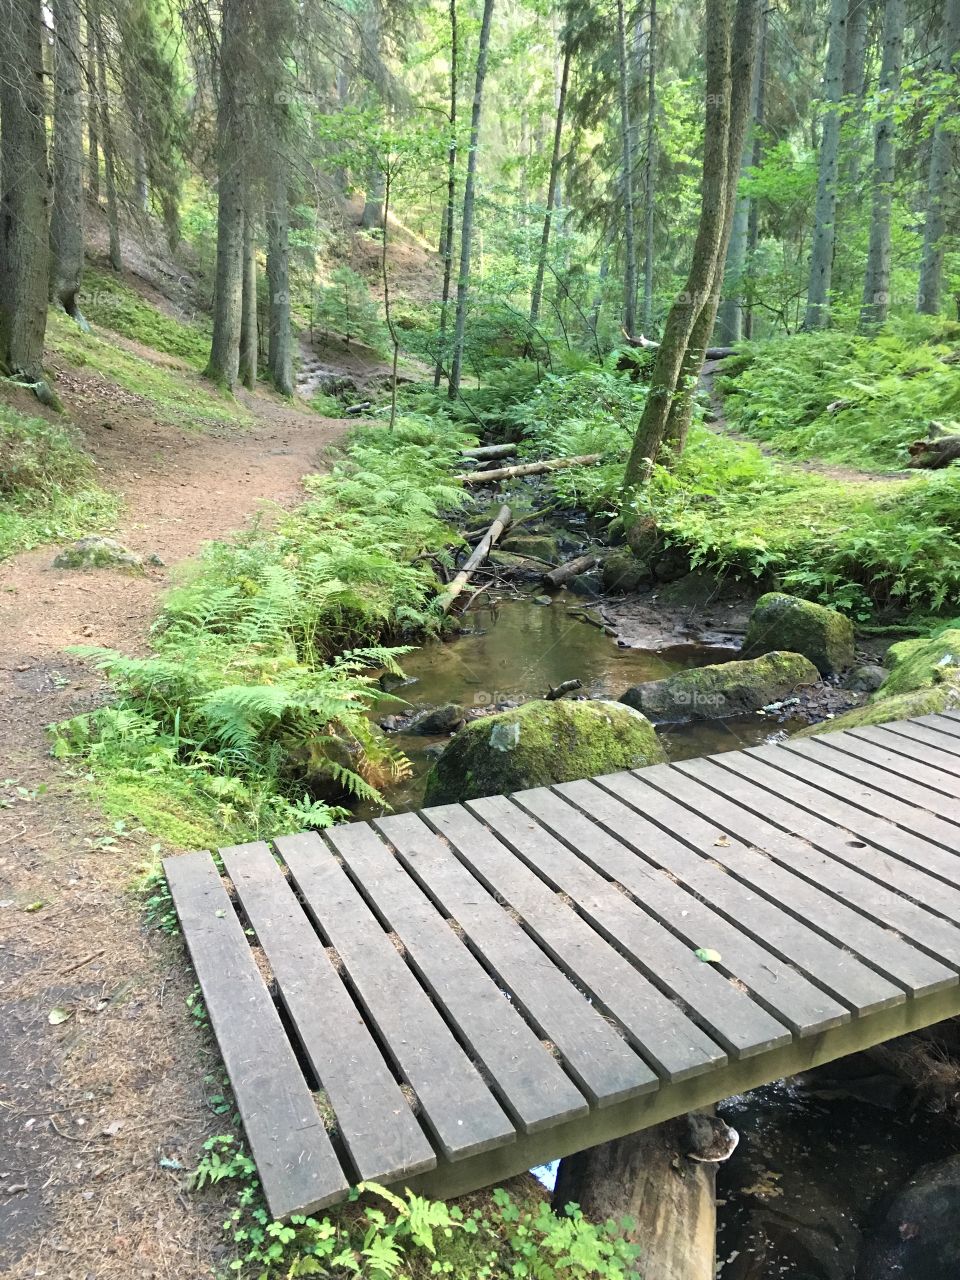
[66, 219]
[372, 215]
[730, 313]
[106, 142]
[279, 353]
[664, 1178]
[223, 365]
[938, 181]
[249, 343]
[24, 204]
[93, 129]
[446, 234]
[876, 282]
[141, 185]
[821, 253]
[650, 171]
[626, 144]
[469, 196]
[551, 189]
[691, 318]
[753, 219]
[854, 85]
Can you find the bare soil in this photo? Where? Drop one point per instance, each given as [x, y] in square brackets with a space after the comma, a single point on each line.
[101, 1112]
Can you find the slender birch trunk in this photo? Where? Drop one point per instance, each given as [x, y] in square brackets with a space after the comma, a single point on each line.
[469, 197]
[626, 143]
[876, 283]
[555, 158]
[449, 213]
[825, 212]
[650, 172]
[938, 181]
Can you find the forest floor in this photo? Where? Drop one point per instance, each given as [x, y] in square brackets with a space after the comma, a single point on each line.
[102, 1104]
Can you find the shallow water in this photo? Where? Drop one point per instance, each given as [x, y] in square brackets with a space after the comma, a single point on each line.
[514, 650]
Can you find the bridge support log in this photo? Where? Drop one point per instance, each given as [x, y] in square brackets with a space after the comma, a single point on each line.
[665, 1179]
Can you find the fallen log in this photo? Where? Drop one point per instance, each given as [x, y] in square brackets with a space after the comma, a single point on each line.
[491, 451]
[564, 572]
[477, 557]
[664, 1178]
[527, 469]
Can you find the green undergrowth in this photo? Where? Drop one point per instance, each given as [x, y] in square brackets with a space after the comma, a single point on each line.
[48, 488]
[109, 302]
[385, 1236]
[250, 716]
[860, 544]
[843, 397]
[173, 394]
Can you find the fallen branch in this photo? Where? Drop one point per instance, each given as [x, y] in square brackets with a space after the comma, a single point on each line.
[527, 469]
[564, 572]
[568, 686]
[648, 344]
[480, 554]
[491, 451]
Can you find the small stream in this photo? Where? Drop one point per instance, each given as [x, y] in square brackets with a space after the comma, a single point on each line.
[817, 1161]
[516, 649]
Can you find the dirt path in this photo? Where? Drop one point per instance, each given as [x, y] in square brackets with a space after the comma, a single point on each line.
[97, 1112]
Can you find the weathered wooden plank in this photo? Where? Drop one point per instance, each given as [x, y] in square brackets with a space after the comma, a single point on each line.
[376, 1124]
[917, 768]
[946, 730]
[949, 720]
[565, 847]
[881, 901]
[841, 758]
[882, 803]
[913, 741]
[675, 1046]
[768, 922]
[885, 835]
[601, 1062]
[458, 1107]
[299, 1170]
[876, 945]
[892, 878]
[530, 1083]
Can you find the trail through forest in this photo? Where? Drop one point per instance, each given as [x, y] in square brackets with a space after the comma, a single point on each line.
[101, 1103]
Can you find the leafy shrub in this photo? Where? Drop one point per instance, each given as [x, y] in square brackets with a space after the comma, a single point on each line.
[412, 1238]
[344, 307]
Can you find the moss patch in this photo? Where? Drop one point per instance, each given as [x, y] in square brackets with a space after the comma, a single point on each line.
[923, 664]
[902, 706]
[723, 689]
[782, 622]
[538, 744]
[108, 301]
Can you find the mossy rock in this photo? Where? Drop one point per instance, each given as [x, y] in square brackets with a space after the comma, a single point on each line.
[645, 540]
[923, 664]
[900, 706]
[723, 689]
[623, 572]
[538, 744]
[788, 623]
[539, 545]
[98, 553]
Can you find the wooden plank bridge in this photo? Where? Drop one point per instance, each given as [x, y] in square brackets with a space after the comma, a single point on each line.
[443, 999]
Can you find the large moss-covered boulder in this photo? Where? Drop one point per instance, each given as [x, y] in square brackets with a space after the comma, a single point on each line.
[538, 744]
[923, 664]
[95, 552]
[788, 623]
[622, 572]
[723, 689]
